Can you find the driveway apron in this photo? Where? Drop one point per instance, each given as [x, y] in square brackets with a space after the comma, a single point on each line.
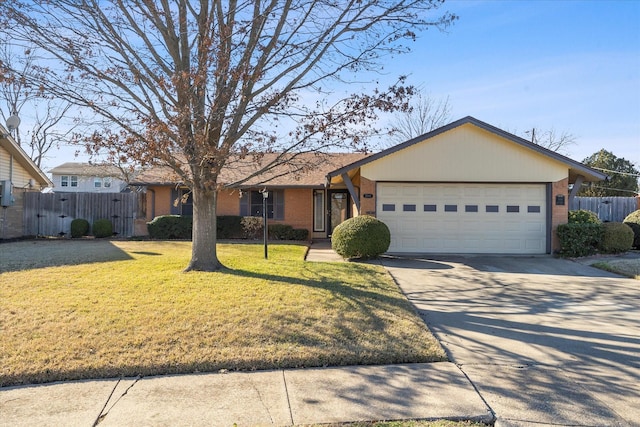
[545, 341]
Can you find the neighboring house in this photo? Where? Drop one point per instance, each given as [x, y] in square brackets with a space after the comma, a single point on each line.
[87, 178]
[18, 175]
[467, 187]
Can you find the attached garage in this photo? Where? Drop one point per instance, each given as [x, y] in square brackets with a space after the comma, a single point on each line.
[467, 187]
[464, 217]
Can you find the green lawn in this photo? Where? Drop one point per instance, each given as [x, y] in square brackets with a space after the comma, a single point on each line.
[624, 267]
[92, 309]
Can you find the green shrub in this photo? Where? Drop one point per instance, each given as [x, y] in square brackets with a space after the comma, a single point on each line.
[280, 232]
[102, 228]
[170, 227]
[583, 216]
[361, 237]
[287, 232]
[633, 221]
[252, 227]
[617, 237]
[579, 239]
[229, 227]
[300, 234]
[79, 227]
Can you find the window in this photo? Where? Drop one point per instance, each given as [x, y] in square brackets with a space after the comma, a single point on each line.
[389, 208]
[471, 208]
[319, 212]
[513, 208]
[97, 182]
[451, 208]
[74, 180]
[409, 208]
[107, 182]
[251, 204]
[492, 208]
[186, 202]
[430, 208]
[64, 181]
[533, 209]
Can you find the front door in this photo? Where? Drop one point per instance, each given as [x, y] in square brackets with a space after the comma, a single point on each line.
[339, 207]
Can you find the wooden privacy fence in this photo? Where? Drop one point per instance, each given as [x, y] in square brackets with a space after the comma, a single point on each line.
[609, 209]
[50, 214]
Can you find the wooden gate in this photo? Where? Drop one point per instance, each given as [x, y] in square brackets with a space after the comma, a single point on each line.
[50, 214]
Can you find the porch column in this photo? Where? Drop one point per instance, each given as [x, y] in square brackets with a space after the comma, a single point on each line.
[576, 187]
[352, 190]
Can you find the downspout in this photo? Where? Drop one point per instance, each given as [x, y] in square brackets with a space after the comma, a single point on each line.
[153, 202]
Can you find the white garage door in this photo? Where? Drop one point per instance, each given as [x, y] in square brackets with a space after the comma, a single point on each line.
[464, 218]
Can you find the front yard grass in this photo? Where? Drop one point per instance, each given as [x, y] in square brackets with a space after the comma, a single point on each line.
[97, 309]
[624, 267]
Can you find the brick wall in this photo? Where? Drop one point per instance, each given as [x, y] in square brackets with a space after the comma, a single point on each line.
[559, 213]
[228, 202]
[11, 217]
[367, 206]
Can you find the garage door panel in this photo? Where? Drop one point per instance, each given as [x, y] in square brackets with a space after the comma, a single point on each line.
[464, 218]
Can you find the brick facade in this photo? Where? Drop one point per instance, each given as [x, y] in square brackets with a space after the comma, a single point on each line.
[559, 213]
[298, 205]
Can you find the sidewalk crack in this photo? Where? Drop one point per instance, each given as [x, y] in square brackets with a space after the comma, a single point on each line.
[103, 413]
[286, 393]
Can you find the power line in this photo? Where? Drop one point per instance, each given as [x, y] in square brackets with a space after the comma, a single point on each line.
[619, 173]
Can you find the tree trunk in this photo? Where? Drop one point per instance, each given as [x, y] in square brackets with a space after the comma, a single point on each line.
[203, 253]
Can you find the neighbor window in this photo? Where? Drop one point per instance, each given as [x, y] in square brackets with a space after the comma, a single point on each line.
[107, 182]
[74, 180]
[64, 180]
[97, 182]
[251, 204]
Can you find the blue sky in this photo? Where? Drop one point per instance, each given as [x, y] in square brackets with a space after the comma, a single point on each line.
[569, 65]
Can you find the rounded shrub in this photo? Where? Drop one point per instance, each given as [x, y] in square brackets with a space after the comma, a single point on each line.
[617, 237]
[102, 228]
[79, 227]
[166, 227]
[583, 216]
[361, 237]
[633, 221]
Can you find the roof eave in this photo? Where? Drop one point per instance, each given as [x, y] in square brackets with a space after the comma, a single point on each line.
[587, 172]
[15, 150]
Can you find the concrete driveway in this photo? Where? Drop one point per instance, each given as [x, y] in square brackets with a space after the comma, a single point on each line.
[545, 341]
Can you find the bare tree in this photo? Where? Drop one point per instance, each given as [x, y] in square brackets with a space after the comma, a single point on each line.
[551, 139]
[199, 84]
[14, 82]
[46, 132]
[424, 115]
[16, 89]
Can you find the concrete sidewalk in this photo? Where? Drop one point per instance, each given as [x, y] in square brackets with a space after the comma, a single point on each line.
[320, 251]
[267, 398]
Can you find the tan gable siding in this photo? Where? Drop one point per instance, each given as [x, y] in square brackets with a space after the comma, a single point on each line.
[466, 154]
[13, 170]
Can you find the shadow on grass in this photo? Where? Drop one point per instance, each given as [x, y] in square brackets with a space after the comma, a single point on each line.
[33, 254]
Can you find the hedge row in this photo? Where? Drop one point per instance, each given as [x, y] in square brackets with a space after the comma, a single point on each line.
[228, 227]
[585, 235]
